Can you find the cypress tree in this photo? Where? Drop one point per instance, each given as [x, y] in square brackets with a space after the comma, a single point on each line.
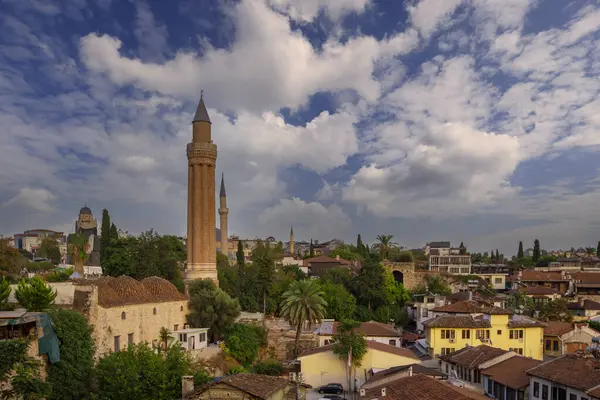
[104, 235]
[492, 256]
[311, 251]
[239, 255]
[114, 234]
[521, 254]
[598, 249]
[497, 256]
[359, 244]
[536, 250]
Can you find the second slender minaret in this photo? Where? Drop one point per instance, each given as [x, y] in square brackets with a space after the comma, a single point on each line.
[223, 211]
[201, 233]
[292, 241]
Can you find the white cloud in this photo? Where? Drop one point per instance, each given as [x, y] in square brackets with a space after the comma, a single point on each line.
[428, 15]
[307, 10]
[34, 199]
[310, 219]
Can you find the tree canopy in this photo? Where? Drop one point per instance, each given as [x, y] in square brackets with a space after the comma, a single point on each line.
[35, 295]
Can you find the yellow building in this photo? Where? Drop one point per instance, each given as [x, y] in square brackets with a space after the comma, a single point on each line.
[320, 366]
[496, 328]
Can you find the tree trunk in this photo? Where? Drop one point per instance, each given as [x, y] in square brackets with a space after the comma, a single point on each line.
[298, 330]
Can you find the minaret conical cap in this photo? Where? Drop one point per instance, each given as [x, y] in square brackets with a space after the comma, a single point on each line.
[201, 113]
[223, 194]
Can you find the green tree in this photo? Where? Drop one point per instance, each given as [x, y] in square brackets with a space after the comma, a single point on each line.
[347, 252]
[239, 255]
[35, 295]
[165, 338]
[368, 285]
[498, 258]
[114, 233]
[520, 253]
[555, 310]
[598, 250]
[21, 371]
[359, 244]
[337, 275]
[311, 249]
[71, 378]
[4, 293]
[536, 251]
[340, 303]
[212, 308]
[384, 245]
[105, 238]
[303, 303]
[229, 279]
[11, 260]
[348, 342]
[49, 249]
[263, 257]
[78, 246]
[268, 367]
[140, 373]
[434, 284]
[243, 342]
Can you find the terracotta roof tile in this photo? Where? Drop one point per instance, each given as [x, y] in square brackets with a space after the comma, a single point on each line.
[325, 259]
[419, 387]
[399, 351]
[371, 328]
[511, 372]
[456, 321]
[580, 373]
[261, 386]
[474, 356]
[470, 307]
[585, 277]
[124, 290]
[542, 276]
[537, 290]
[555, 328]
[586, 304]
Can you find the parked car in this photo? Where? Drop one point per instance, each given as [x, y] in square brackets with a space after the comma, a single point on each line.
[333, 397]
[331, 388]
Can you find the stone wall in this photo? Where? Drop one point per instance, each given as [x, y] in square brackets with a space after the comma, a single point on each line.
[281, 338]
[411, 277]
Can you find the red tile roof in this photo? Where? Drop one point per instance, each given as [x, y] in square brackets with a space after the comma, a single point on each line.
[512, 372]
[470, 307]
[472, 357]
[555, 328]
[325, 259]
[456, 321]
[586, 304]
[370, 328]
[581, 373]
[260, 386]
[542, 276]
[537, 290]
[419, 387]
[371, 344]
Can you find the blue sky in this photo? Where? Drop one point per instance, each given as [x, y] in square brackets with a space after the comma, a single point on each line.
[460, 120]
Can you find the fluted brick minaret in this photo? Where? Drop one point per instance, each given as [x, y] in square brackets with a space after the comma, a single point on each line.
[292, 241]
[201, 238]
[223, 211]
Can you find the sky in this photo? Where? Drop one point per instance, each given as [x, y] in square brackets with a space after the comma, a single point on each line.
[472, 121]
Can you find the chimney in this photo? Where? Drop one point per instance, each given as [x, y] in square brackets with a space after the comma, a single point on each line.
[410, 372]
[382, 392]
[470, 295]
[187, 386]
[362, 392]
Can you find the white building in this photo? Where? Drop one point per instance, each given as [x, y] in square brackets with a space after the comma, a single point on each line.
[445, 258]
[570, 377]
[191, 338]
[422, 306]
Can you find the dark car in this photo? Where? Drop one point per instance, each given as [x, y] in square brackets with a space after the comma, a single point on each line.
[332, 388]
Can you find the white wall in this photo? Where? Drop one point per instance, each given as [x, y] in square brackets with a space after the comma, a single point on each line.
[542, 382]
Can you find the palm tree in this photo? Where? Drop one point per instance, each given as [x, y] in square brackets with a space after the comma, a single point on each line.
[384, 245]
[165, 337]
[78, 248]
[303, 301]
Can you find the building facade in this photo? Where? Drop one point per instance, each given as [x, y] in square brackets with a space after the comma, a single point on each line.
[445, 258]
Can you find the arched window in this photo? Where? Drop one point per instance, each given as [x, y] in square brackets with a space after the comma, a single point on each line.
[181, 308]
[123, 315]
[154, 311]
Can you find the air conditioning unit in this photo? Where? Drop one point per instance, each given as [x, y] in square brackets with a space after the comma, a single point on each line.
[300, 376]
[362, 392]
[452, 340]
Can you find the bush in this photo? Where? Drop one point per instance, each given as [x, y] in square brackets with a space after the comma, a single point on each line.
[243, 342]
[268, 367]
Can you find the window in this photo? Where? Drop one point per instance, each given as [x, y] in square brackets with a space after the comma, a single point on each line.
[392, 342]
[544, 392]
[425, 312]
[447, 370]
[447, 350]
[476, 376]
[572, 396]
[518, 350]
[175, 327]
[584, 398]
[117, 343]
[431, 300]
[129, 339]
[555, 345]
[123, 315]
[516, 333]
[490, 386]
[466, 334]
[536, 389]
[548, 344]
[497, 280]
[181, 308]
[326, 342]
[482, 334]
[154, 311]
[499, 332]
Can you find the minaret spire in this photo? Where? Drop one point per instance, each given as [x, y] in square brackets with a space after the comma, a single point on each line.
[201, 113]
[222, 193]
[292, 241]
[223, 212]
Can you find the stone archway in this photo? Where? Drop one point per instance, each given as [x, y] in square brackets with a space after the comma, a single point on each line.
[398, 276]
